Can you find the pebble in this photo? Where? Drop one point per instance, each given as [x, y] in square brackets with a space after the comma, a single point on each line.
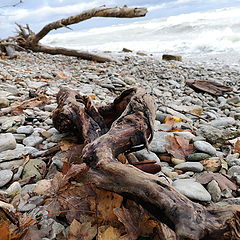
[192, 189]
[25, 129]
[212, 164]
[34, 167]
[144, 154]
[32, 140]
[5, 177]
[214, 190]
[4, 102]
[223, 122]
[158, 144]
[7, 142]
[234, 171]
[190, 166]
[197, 156]
[205, 147]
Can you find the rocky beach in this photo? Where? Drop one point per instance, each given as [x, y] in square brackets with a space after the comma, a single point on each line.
[206, 127]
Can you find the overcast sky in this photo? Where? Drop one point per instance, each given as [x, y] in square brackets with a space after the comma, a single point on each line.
[38, 13]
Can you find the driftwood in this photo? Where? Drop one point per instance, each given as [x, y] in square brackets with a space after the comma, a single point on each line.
[28, 40]
[125, 126]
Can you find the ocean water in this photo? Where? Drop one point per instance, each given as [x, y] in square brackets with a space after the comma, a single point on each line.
[200, 34]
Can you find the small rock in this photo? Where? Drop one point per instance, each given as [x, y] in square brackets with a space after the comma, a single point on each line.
[144, 154]
[234, 171]
[192, 189]
[214, 190]
[212, 164]
[32, 140]
[223, 122]
[42, 186]
[187, 135]
[234, 100]
[5, 177]
[14, 189]
[197, 157]
[171, 174]
[168, 57]
[19, 137]
[177, 161]
[205, 147]
[190, 166]
[34, 167]
[126, 50]
[4, 102]
[25, 129]
[7, 142]
[158, 144]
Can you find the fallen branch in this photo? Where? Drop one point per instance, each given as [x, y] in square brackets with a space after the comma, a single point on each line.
[133, 129]
[29, 40]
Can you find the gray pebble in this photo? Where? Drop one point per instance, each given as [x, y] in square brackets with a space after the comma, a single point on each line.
[192, 189]
[190, 166]
[205, 147]
[7, 142]
[5, 177]
[32, 140]
[214, 190]
[25, 129]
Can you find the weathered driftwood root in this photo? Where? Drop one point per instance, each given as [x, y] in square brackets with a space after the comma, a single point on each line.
[29, 40]
[131, 130]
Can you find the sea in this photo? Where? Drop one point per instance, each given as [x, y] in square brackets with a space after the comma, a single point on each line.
[204, 36]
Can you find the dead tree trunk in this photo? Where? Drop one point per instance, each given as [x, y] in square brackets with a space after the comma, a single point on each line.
[131, 128]
[27, 39]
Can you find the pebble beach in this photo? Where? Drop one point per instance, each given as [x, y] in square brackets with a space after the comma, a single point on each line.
[28, 88]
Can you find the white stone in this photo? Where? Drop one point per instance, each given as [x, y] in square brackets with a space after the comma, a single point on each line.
[7, 142]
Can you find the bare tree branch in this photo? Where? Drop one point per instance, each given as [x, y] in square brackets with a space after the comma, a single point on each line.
[13, 5]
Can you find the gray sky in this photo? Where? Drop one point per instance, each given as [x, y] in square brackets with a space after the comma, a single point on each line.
[38, 13]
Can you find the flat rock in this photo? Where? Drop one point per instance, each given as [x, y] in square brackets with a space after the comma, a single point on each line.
[205, 147]
[186, 135]
[147, 155]
[17, 152]
[32, 140]
[158, 144]
[192, 189]
[215, 135]
[25, 129]
[5, 177]
[33, 167]
[7, 142]
[195, 157]
[189, 166]
[223, 122]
